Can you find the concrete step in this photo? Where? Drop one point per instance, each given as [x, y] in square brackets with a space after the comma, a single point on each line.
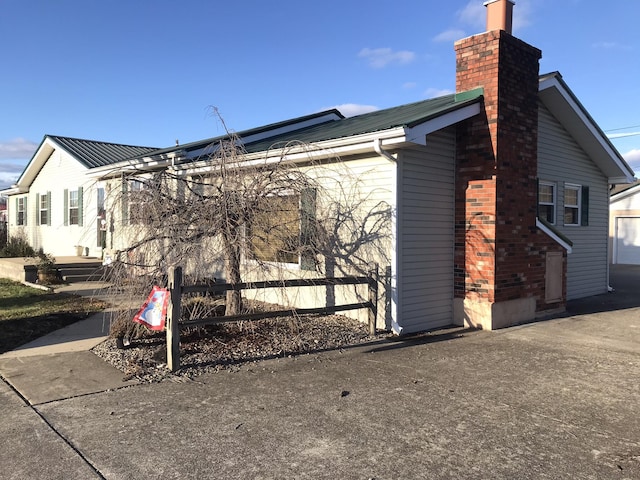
[85, 272]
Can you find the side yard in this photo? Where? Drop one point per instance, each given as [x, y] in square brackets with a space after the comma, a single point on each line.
[27, 313]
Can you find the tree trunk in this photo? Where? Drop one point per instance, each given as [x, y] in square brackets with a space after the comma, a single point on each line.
[232, 274]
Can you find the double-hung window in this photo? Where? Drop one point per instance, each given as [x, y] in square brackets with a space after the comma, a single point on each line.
[73, 207]
[547, 201]
[21, 211]
[572, 204]
[43, 209]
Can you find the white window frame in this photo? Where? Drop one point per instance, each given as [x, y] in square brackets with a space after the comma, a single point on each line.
[577, 207]
[554, 203]
[74, 205]
[44, 198]
[21, 209]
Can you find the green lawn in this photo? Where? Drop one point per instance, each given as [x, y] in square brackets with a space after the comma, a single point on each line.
[27, 313]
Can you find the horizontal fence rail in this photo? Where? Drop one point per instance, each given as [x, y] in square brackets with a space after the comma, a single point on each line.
[177, 289]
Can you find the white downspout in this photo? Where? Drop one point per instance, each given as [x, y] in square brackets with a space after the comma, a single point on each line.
[395, 325]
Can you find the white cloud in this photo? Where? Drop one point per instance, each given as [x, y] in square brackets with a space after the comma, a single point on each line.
[611, 46]
[437, 92]
[17, 148]
[9, 174]
[473, 14]
[522, 15]
[633, 158]
[382, 57]
[409, 85]
[450, 35]
[353, 109]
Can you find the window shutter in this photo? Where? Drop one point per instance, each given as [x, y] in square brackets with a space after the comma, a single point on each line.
[17, 214]
[308, 229]
[37, 209]
[537, 198]
[80, 191]
[66, 207]
[25, 215]
[125, 202]
[584, 220]
[49, 208]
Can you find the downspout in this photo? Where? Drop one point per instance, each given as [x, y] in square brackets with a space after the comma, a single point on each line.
[394, 274]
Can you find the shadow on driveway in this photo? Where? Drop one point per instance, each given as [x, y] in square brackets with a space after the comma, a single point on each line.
[625, 280]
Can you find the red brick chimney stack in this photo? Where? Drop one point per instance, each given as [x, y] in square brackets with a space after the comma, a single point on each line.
[499, 253]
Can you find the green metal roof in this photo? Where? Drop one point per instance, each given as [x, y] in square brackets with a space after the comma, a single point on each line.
[98, 154]
[408, 115]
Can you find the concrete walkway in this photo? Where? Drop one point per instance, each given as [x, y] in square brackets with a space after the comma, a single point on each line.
[554, 399]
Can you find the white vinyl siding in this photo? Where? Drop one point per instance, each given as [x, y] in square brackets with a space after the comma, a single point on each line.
[426, 234]
[561, 160]
[59, 175]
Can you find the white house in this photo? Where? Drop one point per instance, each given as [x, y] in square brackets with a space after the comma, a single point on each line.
[497, 195]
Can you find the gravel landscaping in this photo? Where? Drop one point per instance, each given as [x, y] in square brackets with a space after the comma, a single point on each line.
[231, 345]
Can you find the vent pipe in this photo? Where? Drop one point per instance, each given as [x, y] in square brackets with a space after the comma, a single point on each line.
[500, 15]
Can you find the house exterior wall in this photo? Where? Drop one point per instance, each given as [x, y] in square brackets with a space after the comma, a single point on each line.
[61, 171]
[426, 179]
[364, 189]
[561, 161]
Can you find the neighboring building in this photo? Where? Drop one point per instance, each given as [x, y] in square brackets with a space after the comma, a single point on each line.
[55, 205]
[497, 194]
[624, 228]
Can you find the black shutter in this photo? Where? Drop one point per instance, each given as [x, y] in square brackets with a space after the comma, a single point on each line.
[584, 220]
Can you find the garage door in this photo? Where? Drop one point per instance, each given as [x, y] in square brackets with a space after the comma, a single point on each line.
[627, 240]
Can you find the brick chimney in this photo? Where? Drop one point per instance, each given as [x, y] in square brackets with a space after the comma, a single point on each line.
[499, 259]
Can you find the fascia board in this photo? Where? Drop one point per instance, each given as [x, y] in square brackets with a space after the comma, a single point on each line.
[581, 124]
[11, 191]
[318, 151]
[36, 163]
[418, 134]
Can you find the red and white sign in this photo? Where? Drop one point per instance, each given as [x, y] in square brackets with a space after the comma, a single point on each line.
[154, 310]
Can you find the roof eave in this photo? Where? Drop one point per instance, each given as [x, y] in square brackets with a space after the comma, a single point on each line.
[564, 105]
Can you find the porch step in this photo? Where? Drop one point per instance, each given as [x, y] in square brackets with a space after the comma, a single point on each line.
[81, 272]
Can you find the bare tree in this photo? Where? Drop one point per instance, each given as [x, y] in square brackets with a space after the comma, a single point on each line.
[242, 211]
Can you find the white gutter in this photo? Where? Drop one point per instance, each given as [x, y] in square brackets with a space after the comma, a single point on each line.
[395, 275]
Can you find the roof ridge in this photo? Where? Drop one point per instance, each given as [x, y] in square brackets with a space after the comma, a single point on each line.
[75, 139]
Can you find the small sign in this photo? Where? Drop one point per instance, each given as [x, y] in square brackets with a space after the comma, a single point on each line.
[154, 310]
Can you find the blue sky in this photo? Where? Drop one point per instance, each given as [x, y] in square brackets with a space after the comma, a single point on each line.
[146, 72]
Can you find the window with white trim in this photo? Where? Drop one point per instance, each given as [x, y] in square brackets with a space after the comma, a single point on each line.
[44, 209]
[21, 211]
[572, 202]
[73, 207]
[547, 201]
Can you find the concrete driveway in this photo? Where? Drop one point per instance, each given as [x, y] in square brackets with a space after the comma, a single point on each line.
[549, 400]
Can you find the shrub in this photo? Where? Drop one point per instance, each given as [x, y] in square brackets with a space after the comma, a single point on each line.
[17, 246]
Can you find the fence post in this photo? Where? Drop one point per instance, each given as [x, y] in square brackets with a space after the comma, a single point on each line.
[173, 317]
[373, 299]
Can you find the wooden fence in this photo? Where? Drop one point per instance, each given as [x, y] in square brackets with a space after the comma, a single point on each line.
[177, 289]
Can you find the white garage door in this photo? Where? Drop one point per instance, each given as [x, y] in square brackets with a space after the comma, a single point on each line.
[627, 240]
